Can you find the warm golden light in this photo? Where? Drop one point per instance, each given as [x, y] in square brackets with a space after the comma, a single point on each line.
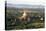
[24, 14]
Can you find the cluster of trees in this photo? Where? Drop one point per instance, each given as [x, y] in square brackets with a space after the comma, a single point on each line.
[13, 22]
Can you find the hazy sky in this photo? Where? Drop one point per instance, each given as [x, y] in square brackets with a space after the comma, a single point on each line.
[29, 2]
[36, 2]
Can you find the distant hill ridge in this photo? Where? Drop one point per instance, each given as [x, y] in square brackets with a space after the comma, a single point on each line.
[24, 6]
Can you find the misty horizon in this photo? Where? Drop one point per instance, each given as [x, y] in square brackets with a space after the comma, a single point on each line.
[23, 6]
